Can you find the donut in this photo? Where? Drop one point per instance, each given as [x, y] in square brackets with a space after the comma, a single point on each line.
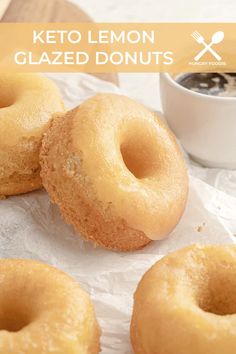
[43, 310]
[27, 102]
[116, 173]
[186, 303]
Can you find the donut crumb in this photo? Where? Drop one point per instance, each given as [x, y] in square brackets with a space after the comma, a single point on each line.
[200, 228]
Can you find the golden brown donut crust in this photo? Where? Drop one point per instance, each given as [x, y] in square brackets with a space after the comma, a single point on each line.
[71, 196]
[27, 103]
[20, 168]
[186, 303]
[43, 310]
[102, 208]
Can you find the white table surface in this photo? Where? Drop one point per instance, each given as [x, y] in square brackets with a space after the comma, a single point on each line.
[144, 87]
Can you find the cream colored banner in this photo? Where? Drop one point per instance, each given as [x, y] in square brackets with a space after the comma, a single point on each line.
[119, 47]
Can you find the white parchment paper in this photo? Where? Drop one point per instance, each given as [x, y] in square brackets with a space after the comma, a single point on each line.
[31, 227]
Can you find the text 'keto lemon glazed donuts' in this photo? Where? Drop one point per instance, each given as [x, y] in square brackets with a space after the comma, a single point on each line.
[116, 172]
[43, 311]
[27, 102]
[186, 303]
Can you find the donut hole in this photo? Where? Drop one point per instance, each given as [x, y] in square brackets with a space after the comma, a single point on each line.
[219, 296]
[14, 317]
[139, 150]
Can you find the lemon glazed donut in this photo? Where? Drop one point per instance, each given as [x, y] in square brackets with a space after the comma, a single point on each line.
[27, 102]
[186, 303]
[43, 311]
[116, 172]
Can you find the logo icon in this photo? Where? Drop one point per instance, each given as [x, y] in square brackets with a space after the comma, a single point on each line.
[216, 38]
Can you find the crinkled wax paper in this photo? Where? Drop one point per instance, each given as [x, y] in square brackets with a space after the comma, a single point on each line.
[31, 227]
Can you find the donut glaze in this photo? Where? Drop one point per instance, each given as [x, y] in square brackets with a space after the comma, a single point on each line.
[43, 311]
[116, 173]
[27, 103]
[186, 303]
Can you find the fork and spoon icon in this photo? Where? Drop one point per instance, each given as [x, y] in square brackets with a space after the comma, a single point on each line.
[216, 38]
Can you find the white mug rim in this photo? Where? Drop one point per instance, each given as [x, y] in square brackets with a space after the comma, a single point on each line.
[202, 96]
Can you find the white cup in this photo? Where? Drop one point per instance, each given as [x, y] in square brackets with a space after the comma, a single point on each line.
[205, 125]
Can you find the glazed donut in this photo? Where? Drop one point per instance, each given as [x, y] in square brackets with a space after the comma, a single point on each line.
[116, 173]
[27, 103]
[186, 303]
[42, 311]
